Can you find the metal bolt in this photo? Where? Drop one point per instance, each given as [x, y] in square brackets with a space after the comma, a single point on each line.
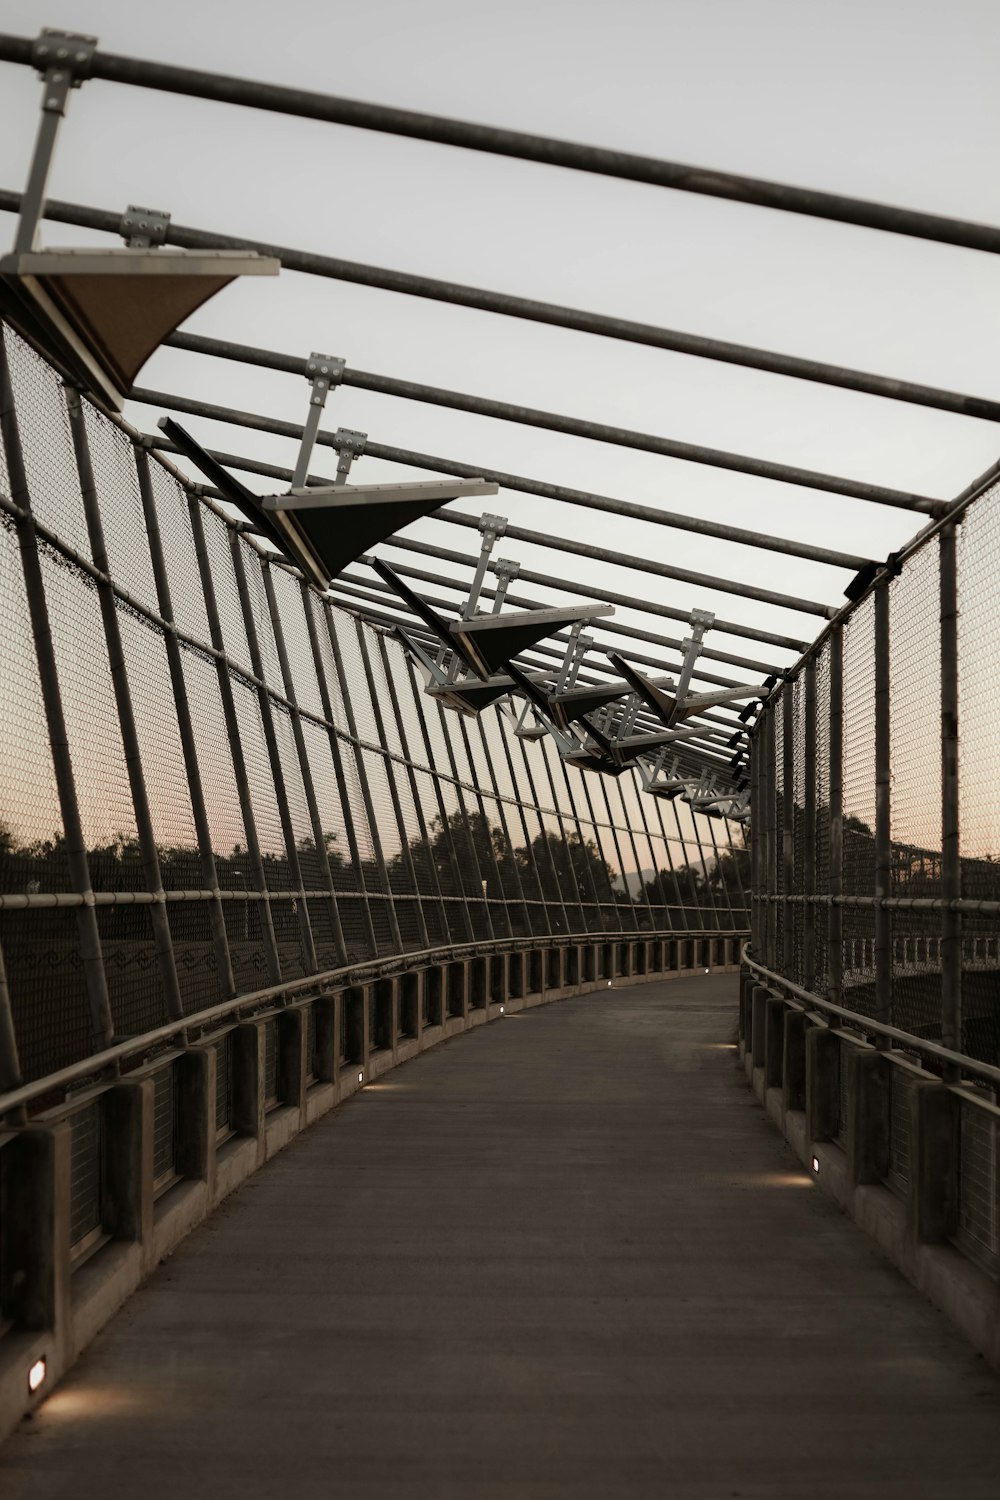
[62, 52]
[81, 57]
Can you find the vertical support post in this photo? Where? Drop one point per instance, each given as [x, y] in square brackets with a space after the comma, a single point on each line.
[271, 742]
[515, 867]
[76, 850]
[473, 851]
[546, 846]
[366, 795]
[415, 794]
[233, 735]
[404, 841]
[835, 920]
[787, 831]
[951, 867]
[315, 819]
[809, 831]
[529, 848]
[460, 723]
[338, 764]
[447, 832]
[126, 713]
[185, 726]
[883, 818]
[775, 910]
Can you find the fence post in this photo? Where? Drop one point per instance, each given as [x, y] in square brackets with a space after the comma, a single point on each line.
[432, 868]
[951, 868]
[406, 853]
[319, 838]
[809, 832]
[126, 713]
[233, 735]
[271, 742]
[95, 979]
[366, 795]
[338, 764]
[835, 919]
[185, 726]
[883, 813]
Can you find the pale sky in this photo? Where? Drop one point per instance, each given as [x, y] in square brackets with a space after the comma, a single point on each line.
[886, 99]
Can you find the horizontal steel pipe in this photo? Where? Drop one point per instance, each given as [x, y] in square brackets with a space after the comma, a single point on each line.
[552, 314]
[257, 423]
[549, 151]
[598, 432]
[583, 498]
[728, 627]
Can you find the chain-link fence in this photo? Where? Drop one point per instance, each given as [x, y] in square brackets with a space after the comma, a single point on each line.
[878, 866]
[876, 837]
[216, 781]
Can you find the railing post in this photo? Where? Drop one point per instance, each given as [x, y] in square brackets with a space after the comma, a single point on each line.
[787, 830]
[775, 910]
[406, 853]
[335, 756]
[145, 833]
[414, 788]
[447, 832]
[185, 726]
[883, 812]
[235, 741]
[319, 838]
[809, 832]
[835, 918]
[366, 795]
[951, 867]
[95, 978]
[271, 742]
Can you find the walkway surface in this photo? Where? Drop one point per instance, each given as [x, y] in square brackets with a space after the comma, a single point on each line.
[563, 1256]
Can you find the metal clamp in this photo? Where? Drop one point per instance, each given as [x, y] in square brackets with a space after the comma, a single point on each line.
[350, 445]
[143, 228]
[65, 51]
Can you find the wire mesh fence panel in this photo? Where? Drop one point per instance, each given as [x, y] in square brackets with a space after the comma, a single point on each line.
[32, 850]
[797, 797]
[354, 681]
[162, 757]
[978, 756]
[48, 993]
[54, 494]
[266, 816]
[324, 618]
[195, 957]
[219, 562]
[859, 807]
[119, 502]
[260, 615]
[915, 751]
[180, 558]
[822, 827]
[95, 743]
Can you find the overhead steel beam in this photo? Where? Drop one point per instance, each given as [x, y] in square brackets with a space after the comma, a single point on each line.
[552, 314]
[478, 472]
[256, 423]
[599, 160]
[598, 432]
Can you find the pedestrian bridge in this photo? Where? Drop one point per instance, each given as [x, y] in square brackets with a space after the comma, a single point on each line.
[444, 1048]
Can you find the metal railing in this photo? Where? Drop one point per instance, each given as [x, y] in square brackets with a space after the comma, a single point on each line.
[876, 847]
[217, 782]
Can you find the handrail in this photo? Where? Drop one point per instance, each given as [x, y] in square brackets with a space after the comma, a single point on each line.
[986, 1071]
[349, 974]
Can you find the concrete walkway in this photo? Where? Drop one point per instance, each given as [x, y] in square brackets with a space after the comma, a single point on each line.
[563, 1256]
